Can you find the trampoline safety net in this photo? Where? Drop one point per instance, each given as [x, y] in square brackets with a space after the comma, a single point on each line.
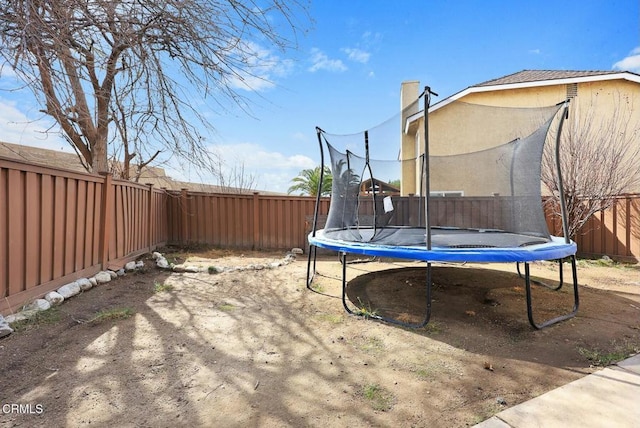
[480, 182]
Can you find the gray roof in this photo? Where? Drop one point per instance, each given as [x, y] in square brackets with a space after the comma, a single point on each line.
[526, 76]
[69, 161]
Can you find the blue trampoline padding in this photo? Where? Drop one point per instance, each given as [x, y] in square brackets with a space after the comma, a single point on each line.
[554, 249]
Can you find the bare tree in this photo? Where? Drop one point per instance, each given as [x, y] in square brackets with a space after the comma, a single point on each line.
[600, 159]
[234, 178]
[123, 77]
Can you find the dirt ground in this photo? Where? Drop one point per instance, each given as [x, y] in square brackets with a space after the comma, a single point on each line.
[255, 348]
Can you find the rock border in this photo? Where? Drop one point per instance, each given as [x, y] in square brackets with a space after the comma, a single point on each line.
[162, 263]
[65, 292]
[57, 297]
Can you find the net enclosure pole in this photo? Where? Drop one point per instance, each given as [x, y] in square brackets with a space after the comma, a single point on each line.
[312, 248]
[425, 164]
[367, 166]
[563, 204]
[319, 193]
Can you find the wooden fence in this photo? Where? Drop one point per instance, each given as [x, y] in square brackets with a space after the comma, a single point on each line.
[57, 226]
[247, 221]
[614, 232]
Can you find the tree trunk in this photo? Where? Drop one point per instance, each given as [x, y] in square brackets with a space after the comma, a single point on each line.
[99, 164]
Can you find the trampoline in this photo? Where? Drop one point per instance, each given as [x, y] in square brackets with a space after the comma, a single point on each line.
[465, 189]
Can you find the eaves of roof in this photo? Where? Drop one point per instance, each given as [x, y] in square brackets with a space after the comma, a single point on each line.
[530, 79]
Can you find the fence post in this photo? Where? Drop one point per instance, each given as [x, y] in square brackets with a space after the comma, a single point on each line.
[256, 221]
[412, 217]
[152, 217]
[628, 225]
[106, 214]
[185, 216]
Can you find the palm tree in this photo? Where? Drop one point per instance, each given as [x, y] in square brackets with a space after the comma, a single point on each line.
[308, 182]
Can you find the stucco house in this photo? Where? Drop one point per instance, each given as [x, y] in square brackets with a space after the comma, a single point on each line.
[595, 96]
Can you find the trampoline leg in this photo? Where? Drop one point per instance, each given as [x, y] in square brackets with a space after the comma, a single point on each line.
[576, 300]
[343, 260]
[552, 287]
[311, 273]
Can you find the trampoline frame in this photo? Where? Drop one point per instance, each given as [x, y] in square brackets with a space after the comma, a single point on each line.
[562, 248]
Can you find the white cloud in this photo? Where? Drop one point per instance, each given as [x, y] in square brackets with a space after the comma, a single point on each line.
[272, 170]
[630, 63]
[320, 61]
[369, 38]
[262, 67]
[6, 71]
[357, 55]
[255, 156]
[535, 51]
[17, 128]
[300, 136]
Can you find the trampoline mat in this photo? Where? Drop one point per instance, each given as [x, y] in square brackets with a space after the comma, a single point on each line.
[440, 237]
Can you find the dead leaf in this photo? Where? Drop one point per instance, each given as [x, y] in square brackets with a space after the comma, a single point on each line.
[488, 365]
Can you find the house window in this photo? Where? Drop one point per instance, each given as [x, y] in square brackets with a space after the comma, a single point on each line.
[572, 90]
[447, 194]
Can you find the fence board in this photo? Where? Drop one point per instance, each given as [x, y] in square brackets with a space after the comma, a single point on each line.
[87, 250]
[70, 226]
[98, 195]
[16, 231]
[58, 227]
[32, 232]
[46, 228]
[4, 233]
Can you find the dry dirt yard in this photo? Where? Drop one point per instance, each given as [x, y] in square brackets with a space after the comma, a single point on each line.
[255, 348]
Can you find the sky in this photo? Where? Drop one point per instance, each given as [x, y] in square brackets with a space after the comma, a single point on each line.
[346, 73]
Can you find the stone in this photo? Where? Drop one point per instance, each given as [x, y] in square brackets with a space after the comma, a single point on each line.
[156, 255]
[10, 319]
[179, 268]
[192, 269]
[20, 316]
[5, 329]
[214, 270]
[102, 277]
[297, 251]
[131, 266]
[38, 305]
[112, 274]
[162, 263]
[84, 284]
[69, 290]
[54, 298]
[120, 272]
[139, 264]
[93, 281]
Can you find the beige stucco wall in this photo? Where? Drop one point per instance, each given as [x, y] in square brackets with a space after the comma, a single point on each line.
[408, 95]
[594, 101]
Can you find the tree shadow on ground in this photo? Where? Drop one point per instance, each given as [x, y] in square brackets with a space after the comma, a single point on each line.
[484, 311]
[208, 350]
